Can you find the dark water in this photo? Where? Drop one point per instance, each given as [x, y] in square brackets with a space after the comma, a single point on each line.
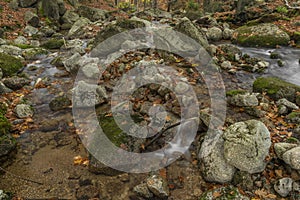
[290, 57]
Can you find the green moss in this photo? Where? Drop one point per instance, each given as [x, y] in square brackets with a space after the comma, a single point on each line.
[271, 85]
[231, 93]
[292, 140]
[4, 125]
[3, 108]
[9, 64]
[111, 130]
[23, 46]
[293, 115]
[53, 44]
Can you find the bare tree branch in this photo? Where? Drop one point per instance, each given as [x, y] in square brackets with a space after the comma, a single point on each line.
[288, 5]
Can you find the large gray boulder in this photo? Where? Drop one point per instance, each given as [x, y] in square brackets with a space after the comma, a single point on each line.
[78, 27]
[186, 27]
[214, 166]
[53, 9]
[88, 95]
[246, 145]
[214, 34]
[27, 3]
[93, 14]
[291, 157]
[261, 35]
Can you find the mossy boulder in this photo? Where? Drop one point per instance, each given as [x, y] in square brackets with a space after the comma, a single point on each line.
[9, 64]
[262, 35]
[294, 117]
[34, 53]
[53, 44]
[276, 88]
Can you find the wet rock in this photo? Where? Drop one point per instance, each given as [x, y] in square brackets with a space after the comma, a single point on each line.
[53, 9]
[20, 40]
[185, 26]
[288, 104]
[262, 35]
[255, 112]
[281, 148]
[87, 192]
[27, 3]
[243, 180]
[244, 100]
[34, 53]
[276, 88]
[4, 89]
[59, 103]
[93, 14]
[247, 145]
[11, 50]
[9, 64]
[23, 111]
[284, 186]
[78, 27]
[16, 83]
[71, 64]
[158, 186]
[32, 19]
[213, 165]
[143, 191]
[87, 95]
[214, 34]
[231, 51]
[292, 158]
[30, 30]
[227, 33]
[224, 193]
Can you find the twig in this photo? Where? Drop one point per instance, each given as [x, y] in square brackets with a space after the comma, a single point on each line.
[19, 177]
[159, 134]
[288, 5]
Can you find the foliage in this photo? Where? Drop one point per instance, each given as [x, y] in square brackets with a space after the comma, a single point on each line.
[282, 10]
[192, 5]
[126, 6]
[9, 64]
[4, 125]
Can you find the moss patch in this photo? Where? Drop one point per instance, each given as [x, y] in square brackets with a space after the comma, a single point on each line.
[231, 93]
[53, 44]
[276, 88]
[4, 125]
[9, 64]
[111, 130]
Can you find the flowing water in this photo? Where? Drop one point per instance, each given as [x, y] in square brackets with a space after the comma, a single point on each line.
[290, 71]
